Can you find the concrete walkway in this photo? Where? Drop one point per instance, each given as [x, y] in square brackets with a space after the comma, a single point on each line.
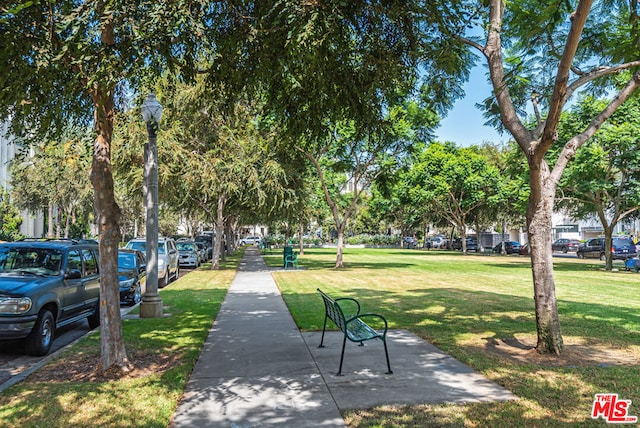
[257, 370]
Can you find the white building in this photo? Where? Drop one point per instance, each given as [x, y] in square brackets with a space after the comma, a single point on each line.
[32, 226]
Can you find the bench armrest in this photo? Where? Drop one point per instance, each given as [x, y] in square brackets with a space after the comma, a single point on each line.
[361, 316]
[347, 306]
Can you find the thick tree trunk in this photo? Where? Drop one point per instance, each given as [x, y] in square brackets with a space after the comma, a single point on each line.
[113, 354]
[539, 224]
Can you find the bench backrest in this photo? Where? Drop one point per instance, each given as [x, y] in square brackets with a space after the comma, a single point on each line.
[333, 311]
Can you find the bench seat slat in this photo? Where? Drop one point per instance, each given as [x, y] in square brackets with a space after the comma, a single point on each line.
[358, 331]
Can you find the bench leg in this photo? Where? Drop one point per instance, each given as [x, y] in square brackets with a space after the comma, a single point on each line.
[323, 328]
[344, 342]
[386, 354]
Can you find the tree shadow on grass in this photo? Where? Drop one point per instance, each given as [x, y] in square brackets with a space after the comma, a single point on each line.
[443, 314]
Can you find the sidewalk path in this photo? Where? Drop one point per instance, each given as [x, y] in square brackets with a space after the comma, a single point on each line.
[257, 370]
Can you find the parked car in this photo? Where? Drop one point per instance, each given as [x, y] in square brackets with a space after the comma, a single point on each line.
[132, 275]
[437, 242]
[168, 266]
[207, 240]
[409, 242]
[472, 244]
[622, 248]
[510, 247]
[203, 252]
[45, 285]
[250, 240]
[189, 254]
[565, 245]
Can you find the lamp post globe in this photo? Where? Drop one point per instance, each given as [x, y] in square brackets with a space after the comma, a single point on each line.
[151, 305]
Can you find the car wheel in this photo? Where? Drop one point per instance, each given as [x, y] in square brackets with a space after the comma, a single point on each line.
[94, 320]
[40, 339]
[603, 256]
[579, 255]
[164, 281]
[137, 296]
[565, 249]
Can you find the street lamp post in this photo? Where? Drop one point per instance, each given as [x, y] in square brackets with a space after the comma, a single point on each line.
[151, 305]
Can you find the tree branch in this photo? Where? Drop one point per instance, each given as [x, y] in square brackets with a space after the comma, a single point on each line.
[594, 74]
[578, 20]
[576, 142]
[493, 53]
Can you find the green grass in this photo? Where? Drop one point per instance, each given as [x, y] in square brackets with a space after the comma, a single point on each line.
[170, 346]
[464, 305]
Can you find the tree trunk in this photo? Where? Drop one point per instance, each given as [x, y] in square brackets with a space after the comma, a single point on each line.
[301, 237]
[58, 226]
[463, 239]
[539, 224]
[340, 231]
[67, 224]
[218, 246]
[113, 354]
[228, 233]
[50, 220]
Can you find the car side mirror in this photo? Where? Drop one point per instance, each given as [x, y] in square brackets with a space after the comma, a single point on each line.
[73, 274]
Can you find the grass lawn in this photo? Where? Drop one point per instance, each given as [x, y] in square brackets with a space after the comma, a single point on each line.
[65, 393]
[480, 310]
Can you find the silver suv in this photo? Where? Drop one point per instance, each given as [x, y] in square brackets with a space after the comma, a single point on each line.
[168, 267]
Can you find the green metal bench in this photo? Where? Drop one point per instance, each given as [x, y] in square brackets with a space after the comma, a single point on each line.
[290, 258]
[353, 327]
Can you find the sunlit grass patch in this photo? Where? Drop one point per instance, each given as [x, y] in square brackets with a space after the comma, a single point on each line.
[480, 309]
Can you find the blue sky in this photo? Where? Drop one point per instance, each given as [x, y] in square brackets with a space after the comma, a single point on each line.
[464, 125]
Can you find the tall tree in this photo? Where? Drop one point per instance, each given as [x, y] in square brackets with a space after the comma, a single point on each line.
[604, 178]
[349, 160]
[56, 173]
[456, 182]
[67, 62]
[542, 52]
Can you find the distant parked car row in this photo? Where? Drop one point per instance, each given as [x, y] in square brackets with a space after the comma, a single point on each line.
[46, 284]
[168, 258]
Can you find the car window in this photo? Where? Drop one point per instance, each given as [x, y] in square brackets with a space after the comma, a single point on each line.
[186, 246]
[622, 241]
[43, 261]
[126, 261]
[90, 263]
[162, 248]
[138, 245]
[74, 260]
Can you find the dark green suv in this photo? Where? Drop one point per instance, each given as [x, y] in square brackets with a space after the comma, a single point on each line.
[45, 285]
